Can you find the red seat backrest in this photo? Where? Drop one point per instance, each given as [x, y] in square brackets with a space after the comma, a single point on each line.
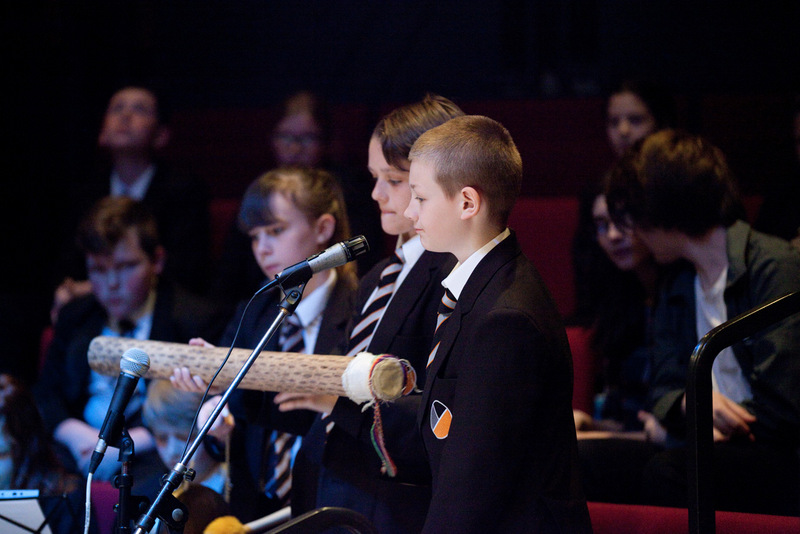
[545, 227]
[637, 519]
[584, 368]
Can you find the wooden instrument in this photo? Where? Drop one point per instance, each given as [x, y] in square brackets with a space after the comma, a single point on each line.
[361, 378]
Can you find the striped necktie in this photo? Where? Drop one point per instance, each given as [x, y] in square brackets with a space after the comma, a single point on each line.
[290, 340]
[361, 336]
[446, 307]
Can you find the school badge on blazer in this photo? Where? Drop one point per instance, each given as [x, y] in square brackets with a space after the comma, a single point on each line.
[441, 417]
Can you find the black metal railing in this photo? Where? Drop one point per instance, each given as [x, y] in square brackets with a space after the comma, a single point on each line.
[702, 515]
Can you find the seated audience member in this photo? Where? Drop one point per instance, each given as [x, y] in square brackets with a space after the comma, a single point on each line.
[301, 138]
[677, 193]
[133, 132]
[634, 109]
[619, 332]
[612, 444]
[780, 213]
[168, 413]
[124, 259]
[289, 214]
[495, 414]
[29, 460]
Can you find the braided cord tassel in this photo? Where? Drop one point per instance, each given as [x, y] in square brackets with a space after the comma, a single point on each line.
[376, 432]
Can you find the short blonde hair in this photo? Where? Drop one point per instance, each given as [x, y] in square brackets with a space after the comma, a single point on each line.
[474, 151]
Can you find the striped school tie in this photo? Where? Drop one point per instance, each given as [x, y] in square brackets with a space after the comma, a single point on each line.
[361, 336]
[446, 307]
[290, 340]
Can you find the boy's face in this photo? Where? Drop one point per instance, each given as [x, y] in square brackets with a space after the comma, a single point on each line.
[434, 215]
[122, 280]
[131, 122]
[666, 245]
[391, 192]
[289, 240]
[170, 446]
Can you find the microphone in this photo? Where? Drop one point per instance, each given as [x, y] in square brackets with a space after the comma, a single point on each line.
[133, 365]
[333, 256]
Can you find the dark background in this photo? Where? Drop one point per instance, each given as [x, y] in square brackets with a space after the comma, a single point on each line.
[540, 67]
[732, 65]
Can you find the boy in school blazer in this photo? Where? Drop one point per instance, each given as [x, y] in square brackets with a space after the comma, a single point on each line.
[495, 414]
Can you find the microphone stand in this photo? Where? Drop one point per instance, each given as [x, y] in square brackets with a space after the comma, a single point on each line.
[124, 482]
[165, 506]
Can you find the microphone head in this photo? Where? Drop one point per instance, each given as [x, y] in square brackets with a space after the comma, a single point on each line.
[135, 362]
[355, 247]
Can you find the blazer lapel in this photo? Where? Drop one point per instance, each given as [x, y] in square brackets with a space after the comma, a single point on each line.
[483, 274]
[403, 302]
[331, 338]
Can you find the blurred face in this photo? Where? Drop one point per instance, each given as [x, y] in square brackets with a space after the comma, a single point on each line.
[435, 216]
[297, 141]
[289, 240]
[391, 192]
[665, 245]
[628, 120]
[621, 245]
[170, 447]
[122, 280]
[131, 121]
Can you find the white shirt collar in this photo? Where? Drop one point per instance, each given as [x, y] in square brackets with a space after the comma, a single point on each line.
[312, 305]
[137, 189]
[458, 277]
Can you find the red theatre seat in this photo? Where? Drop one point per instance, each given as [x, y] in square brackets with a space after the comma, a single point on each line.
[104, 497]
[584, 368]
[545, 227]
[633, 519]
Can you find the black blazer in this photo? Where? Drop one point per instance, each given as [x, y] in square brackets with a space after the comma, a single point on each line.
[349, 470]
[507, 460]
[255, 412]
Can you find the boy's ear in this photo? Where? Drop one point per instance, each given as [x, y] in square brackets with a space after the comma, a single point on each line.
[324, 227]
[161, 138]
[471, 202]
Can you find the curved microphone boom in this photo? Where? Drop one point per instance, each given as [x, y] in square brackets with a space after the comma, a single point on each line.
[134, 364]
[333, 256]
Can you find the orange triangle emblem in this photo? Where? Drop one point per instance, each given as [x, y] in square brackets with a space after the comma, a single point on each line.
[441, 417]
